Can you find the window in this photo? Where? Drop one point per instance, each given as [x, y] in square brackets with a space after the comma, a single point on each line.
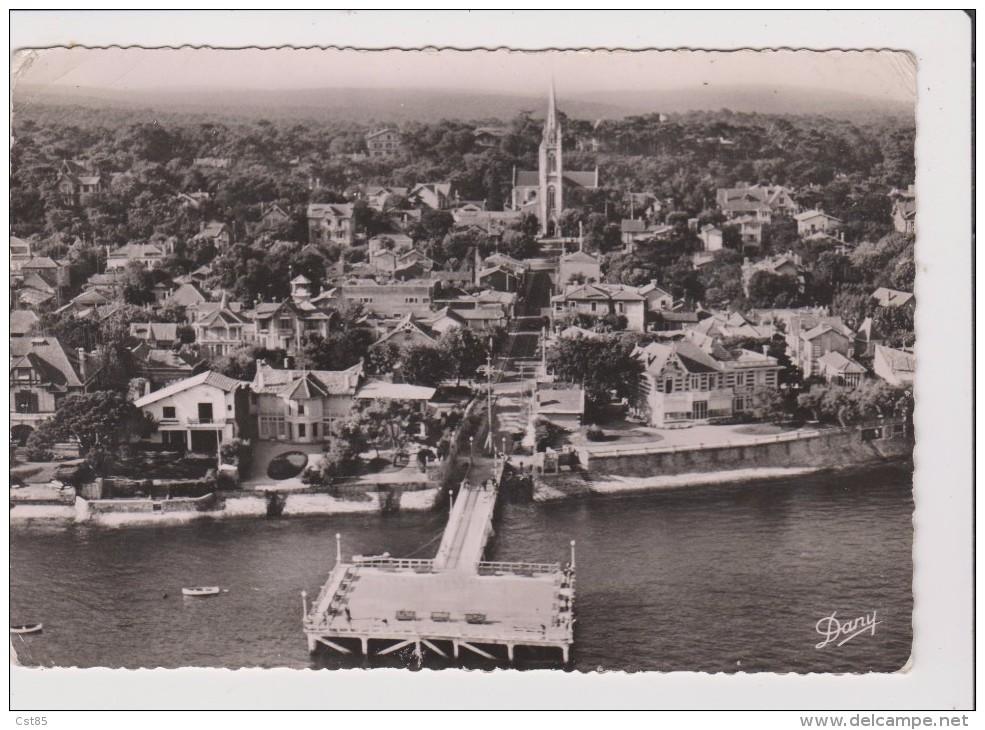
[168, 413]
[27, 402]
[205, 412]
[669, 385]
[23, 374]
[300, 409]
[302, 431]
[551, 200]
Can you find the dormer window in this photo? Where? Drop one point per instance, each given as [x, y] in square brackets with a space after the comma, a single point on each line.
[22, 374]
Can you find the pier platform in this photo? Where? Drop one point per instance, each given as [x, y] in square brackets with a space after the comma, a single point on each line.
[455, 602]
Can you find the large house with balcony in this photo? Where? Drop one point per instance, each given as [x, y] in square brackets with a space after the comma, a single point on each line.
[77, 184]
[383, 142]
[301, 406]
[200, 412]
[600, 300]
[147, 255]
[685, 384]
[331, 223]
[284, 325]
[759, 201]
[391, 299]
[220, 328]
[810, 338]
[42, 372]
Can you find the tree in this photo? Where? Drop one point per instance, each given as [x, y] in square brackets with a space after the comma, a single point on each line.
[769, 404]
[386, 423]
[382, 357]
[465, 350]
[101, 421]
[518, 244]
[599, 365]
[341, 349]
[424, 365]
[767, 289]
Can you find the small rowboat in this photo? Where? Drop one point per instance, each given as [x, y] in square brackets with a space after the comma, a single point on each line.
[201, 591]
[26, 628]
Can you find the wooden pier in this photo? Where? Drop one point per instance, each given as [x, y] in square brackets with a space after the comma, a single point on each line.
[453, 603]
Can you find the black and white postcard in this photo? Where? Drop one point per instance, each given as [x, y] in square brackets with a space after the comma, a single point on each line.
[433, 359]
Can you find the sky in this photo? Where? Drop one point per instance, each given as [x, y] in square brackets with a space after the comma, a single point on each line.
[880, 74]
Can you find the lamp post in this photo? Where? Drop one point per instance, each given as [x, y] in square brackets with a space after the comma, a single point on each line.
[489, 438]
[471, 450]
[338, 548]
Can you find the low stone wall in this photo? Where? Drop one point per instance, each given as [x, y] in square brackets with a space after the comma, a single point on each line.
[151, 506]
[826, 448]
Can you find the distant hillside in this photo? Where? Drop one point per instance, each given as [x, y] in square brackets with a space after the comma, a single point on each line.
[399, 105]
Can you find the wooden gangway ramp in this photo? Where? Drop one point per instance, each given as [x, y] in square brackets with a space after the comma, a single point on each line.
[451, 603]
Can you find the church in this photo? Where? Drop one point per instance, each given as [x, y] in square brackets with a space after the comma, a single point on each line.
[542, 191]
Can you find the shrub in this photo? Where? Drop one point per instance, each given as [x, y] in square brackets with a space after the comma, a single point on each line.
[594, 433]
[40, 446]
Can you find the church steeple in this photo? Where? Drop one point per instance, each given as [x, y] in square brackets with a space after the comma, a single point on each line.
[551, 165]
[551, 124]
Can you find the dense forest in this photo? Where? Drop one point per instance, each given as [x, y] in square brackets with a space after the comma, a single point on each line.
[147, 158]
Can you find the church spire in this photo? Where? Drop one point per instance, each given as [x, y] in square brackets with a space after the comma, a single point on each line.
[551, 122]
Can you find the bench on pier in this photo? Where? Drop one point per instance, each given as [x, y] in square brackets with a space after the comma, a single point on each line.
[406, 616]
[475, 618]
[441, 616]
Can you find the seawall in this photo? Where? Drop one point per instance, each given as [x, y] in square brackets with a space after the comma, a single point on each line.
[821, 449]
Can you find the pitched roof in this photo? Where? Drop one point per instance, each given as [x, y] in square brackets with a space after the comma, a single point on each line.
[159, 357]
[22, 321]
[212, 229]
[159, 331]
[283, 382]
[40, 262]
[580, 178]
[409, 323]
[808, 214]
[381, 390]
[838, 362]
[891, 297]
[320, 210]
[58, 363]
[580, 257]
[901, 363]
[691, 357]
[209, 377]
[527, 178]
[823, 327]
[187, 295]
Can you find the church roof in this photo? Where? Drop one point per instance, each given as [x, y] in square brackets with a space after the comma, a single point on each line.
[527, 178]
[580, 178]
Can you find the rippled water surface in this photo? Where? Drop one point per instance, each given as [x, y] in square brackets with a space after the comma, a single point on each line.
[729, 578]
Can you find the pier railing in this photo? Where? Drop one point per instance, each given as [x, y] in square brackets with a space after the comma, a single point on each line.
[415, 564]
[327, 593]
[490, 567]
[559, 630]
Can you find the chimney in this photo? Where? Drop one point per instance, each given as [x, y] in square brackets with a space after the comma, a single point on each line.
[259, 376]
[766, 350]
[288, 362]
[83, 365]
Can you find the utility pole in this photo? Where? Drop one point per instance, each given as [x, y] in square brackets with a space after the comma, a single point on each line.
[489, 436]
